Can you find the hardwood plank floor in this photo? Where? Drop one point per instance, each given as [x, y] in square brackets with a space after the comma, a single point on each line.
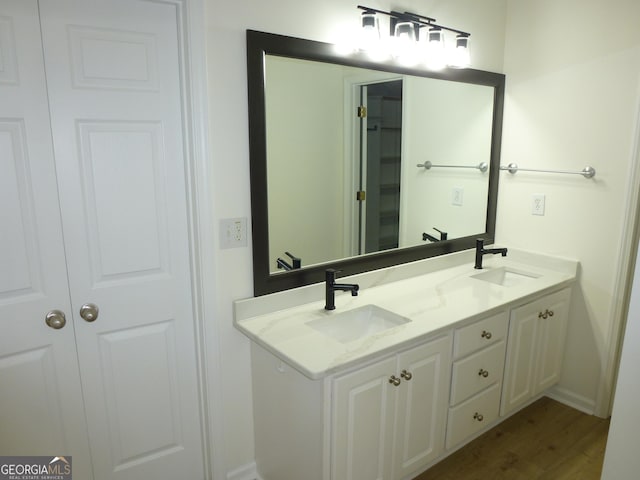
[547, 440]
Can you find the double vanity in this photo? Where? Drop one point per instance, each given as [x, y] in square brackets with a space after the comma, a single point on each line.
[426, 357]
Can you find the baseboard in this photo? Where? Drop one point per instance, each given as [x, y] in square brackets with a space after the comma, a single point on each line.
[572, 399]
[245, 472]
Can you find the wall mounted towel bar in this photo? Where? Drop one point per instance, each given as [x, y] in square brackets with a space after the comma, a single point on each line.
[586, 172]
[483, 167]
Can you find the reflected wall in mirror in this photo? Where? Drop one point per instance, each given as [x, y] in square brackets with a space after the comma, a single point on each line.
[335, 187]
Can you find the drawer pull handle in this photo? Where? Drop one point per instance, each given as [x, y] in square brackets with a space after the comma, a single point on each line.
[483, 373]
[394, 380]
[478, 416]
[406, 375]
[486, 334]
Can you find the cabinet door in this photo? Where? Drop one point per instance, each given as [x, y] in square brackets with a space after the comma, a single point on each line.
[422, 405]
[554, 313]
[362, 423]
[521, 357]
[535, 348]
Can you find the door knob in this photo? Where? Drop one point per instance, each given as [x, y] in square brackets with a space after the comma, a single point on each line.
[55, 319]
[89, 312]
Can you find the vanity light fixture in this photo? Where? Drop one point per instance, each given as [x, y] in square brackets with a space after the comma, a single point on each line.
[404, 39]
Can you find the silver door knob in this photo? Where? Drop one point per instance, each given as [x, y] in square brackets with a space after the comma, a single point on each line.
[89, 312]
[55, 319]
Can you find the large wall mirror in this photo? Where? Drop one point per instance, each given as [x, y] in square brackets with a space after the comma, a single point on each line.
[359, 165]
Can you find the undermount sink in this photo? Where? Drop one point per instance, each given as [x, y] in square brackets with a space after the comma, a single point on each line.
[507, 277]
[357, 323]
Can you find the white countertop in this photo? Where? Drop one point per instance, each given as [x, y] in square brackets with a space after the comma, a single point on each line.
[433, 301]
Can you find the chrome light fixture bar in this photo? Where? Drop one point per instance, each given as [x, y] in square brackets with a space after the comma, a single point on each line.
[404, 31]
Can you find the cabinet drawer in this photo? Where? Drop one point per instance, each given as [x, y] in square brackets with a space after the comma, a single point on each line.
[477, 372]
[480, 334]
[473, 415]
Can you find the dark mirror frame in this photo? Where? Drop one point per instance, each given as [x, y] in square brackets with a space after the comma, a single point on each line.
[260, 44]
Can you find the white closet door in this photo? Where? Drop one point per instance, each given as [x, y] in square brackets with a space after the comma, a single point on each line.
[41, 409]
[113, 74]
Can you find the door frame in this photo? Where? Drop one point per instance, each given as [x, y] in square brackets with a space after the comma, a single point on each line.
[352, 152]
[193, 75]
[624, 280]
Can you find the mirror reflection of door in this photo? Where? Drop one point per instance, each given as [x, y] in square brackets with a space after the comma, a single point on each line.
[380, 165]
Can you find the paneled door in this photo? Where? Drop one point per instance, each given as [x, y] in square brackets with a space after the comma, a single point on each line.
[41, 407]
[114, 89]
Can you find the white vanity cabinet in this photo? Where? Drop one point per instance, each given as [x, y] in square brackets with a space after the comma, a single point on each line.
[388, 419]
[385, 420]
[476, 380]
[535, 350]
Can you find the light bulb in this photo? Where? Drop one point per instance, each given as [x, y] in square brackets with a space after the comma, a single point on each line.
[460, 57]
[435, 52]
[405, 48]
[370, 33]
[405, 32]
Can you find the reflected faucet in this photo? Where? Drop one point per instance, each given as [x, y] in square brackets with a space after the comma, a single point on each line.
[480, 251]
[331, 286]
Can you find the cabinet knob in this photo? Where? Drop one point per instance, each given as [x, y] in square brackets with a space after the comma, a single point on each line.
[394, 380]
[406, 375]
[478, 416]
[485, 334]
[550, 313]
[483, 373]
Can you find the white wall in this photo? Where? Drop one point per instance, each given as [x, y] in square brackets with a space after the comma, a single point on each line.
[572, 94]
[226, 24]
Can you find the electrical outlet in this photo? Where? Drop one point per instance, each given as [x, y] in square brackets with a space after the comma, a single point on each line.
[457, 195]
[537, 204]
[233, 232]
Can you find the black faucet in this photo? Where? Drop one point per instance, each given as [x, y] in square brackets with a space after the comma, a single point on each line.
[480, 251]
[431, 238]
[332, 286]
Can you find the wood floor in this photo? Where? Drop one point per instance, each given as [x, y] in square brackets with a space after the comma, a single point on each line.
[547, 440]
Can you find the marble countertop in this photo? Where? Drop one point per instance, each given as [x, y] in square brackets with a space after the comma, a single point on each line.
[434, 302]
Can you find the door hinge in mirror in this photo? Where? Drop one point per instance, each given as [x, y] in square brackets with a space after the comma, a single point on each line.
[362, 112]
[361, 195]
